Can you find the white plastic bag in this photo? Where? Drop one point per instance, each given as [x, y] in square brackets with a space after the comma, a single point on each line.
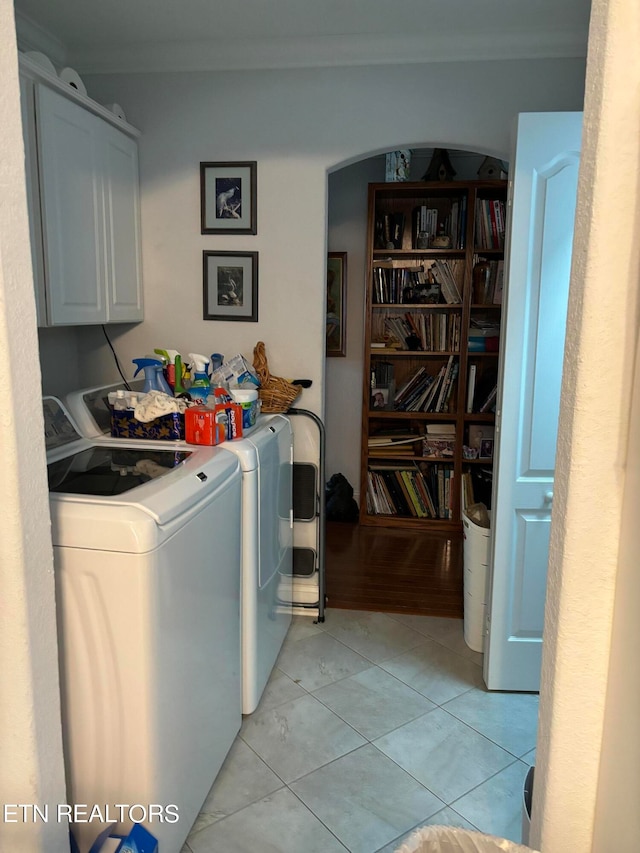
[449, 839]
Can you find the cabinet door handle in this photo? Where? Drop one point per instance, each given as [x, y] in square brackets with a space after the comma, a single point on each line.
[548, 497]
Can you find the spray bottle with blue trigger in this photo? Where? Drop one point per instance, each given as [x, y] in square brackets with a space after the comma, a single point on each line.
[153, 377]
[200, 383]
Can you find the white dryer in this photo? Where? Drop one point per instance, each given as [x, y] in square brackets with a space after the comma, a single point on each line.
[147, 564]
[266, 459]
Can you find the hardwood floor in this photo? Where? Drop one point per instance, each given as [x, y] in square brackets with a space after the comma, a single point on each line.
[397, 571]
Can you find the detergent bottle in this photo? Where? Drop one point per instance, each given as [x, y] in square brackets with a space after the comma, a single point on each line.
[153, 378]
[200, 384]
[178, 386]
[170, 357]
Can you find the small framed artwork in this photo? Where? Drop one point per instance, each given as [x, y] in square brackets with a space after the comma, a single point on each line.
[336, 342]
[230, 286]
[486, 448]
[228, 198]
[379, 398]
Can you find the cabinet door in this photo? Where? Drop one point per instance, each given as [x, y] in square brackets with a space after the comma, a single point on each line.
[72, 209]
[122, 212]
[33, 195]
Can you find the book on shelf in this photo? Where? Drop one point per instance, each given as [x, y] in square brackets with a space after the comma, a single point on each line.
[417, 503]
[490, 224]
[490, 401]
[382, 374]
[471, 386]
[439, 440]
[435, 332]
[438, 429]
[392, 439]
[446, 278]
[498, 286]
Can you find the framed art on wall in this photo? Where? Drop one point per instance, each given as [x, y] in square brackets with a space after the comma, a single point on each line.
[230, 286]
[228, 198]
[336, 343]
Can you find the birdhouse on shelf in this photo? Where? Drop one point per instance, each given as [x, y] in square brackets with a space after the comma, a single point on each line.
[491, 170]
[440, 168]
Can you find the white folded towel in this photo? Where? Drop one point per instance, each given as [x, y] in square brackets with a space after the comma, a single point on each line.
[157, 403]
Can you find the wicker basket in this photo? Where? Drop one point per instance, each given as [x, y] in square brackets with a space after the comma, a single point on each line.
[276, 394]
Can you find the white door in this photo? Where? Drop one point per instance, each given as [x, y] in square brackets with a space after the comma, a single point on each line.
[542, 196]
[71, 190]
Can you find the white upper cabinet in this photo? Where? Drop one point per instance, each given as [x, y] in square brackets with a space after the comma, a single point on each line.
[87, 196]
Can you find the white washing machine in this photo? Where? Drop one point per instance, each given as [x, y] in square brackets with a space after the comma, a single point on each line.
[266, 460]
[147, 563]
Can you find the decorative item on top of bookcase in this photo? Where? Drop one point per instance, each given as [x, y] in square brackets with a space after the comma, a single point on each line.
[440, 168]
[492, 170]
[228, 198]
[398, 165]
[336, 342]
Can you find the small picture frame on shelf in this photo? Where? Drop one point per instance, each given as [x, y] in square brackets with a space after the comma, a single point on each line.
[228, 198]
[230, 286]
[486, 448]
[379, 399]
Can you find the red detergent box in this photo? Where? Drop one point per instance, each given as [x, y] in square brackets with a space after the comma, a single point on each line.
[232, 414]
[204, 426]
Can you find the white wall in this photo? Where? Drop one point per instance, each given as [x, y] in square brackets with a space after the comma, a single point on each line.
[298, 125]
[31, 769]
[587, 782]
[343, 378]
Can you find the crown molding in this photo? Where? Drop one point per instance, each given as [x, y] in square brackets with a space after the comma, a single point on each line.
[32, 36]
[319, 52]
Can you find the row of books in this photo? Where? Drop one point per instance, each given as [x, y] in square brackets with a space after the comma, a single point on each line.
[382, 374]
[394, 443]
[412, 491]
[392, 284]
[429, 220]
[424, 392]
[432, 282]
[447, 274]
[490, 223]
[434, 332]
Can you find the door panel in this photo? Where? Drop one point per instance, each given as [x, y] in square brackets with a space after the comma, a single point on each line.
[542, 199]
[71, 187]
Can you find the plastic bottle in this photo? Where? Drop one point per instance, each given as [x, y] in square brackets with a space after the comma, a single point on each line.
[153, 378]
[120, 403]
[178, 386]
[170, 355]
[200, 384]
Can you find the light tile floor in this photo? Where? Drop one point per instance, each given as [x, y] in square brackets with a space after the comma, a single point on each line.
[371, 725]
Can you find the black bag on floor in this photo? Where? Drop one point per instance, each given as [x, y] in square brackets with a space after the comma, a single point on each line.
[340, 503]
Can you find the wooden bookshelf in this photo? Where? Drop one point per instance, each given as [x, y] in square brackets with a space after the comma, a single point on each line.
[438, 328]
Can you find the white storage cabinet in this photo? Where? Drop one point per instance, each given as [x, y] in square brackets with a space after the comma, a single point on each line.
[84, 209]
